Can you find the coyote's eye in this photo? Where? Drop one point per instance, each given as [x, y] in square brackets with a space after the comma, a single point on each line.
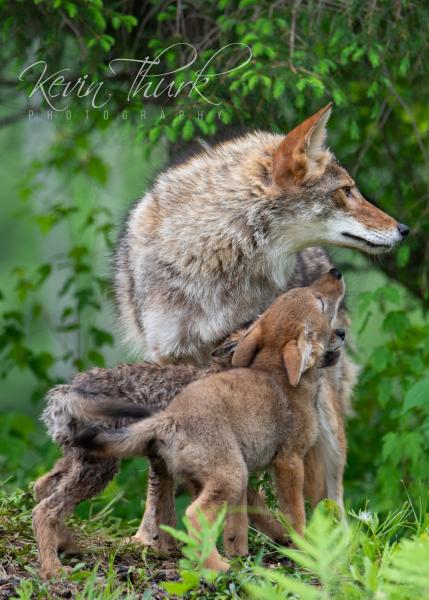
[348, 191]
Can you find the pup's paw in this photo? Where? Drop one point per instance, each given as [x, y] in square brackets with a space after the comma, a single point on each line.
[236, 546]
[217, 564]
[54, 571]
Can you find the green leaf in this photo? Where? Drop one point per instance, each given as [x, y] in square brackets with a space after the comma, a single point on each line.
[374, 58]
[101, 337]
[96, 358]
[258, 49]
[365, 299]
[373, 89]
[396, 322]
[279, 88]
[404, 66]
[380, 358]
[417, 395]
[391, 447]
[41, 363]
[154, 134]
[97, 169]
[187, 131]
[71, 9]
[403, 256]
[389, 293]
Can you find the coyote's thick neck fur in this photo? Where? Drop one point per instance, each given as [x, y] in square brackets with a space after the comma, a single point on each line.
[213, 242]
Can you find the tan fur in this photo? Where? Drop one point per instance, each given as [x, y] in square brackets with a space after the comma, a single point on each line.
[153, 386]
[221, 428]
[214, 240]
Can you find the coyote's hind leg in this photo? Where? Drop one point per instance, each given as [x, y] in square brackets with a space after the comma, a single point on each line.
[85, 478]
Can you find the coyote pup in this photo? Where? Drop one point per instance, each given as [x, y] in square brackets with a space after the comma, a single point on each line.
[213, 242]
[77, 475]
[263, 413]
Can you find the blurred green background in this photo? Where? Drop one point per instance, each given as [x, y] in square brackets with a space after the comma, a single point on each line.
[67, 185]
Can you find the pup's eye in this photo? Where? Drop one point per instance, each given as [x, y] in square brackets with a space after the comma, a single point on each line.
[348, 191]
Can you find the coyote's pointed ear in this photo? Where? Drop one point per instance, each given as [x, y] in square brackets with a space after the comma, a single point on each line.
[296, 355]
[301, 149]
[247, 348]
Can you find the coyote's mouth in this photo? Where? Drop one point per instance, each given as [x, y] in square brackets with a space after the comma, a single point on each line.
[364, 241]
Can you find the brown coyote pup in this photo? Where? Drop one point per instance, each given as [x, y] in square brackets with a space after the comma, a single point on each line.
[78, 475]
[260, 414]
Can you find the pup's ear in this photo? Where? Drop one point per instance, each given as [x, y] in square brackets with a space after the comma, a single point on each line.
[301, 149]
[296, 355]
[247, 348]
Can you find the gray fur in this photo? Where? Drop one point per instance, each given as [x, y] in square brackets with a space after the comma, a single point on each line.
[214, 240]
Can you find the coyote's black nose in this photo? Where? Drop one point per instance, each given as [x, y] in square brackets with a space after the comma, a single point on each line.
[404, 230]
[335, 273]
[340, 333]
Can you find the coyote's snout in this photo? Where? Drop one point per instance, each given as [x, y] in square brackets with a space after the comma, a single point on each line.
[325, 197]
[211, 245]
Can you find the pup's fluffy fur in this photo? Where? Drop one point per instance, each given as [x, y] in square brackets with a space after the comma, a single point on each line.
[78, 476]
[222, 428]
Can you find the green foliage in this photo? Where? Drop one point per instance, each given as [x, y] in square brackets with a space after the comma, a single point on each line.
[362, 560]
[80, 295]
[368, 557]
[196, 548]
[369, 58]
[389, 437]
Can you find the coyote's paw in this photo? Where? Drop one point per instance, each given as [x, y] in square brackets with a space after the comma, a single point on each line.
[158, 544]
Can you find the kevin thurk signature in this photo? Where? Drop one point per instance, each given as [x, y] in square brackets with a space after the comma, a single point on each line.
[148, 84]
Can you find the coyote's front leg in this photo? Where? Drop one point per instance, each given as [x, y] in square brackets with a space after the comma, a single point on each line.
[261, 517]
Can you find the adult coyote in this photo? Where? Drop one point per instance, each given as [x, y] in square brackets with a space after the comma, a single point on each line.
[214, 240]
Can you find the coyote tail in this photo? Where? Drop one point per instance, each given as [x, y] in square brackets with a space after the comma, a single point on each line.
[69, 409]
[127, 441]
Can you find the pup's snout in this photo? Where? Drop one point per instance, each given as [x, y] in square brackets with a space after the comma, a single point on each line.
[341, 333]
[403, 229]
[336, 273]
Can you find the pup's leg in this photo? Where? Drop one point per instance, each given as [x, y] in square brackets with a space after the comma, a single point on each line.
[261, 517]
[214, 494]
[235, 536]
[159, 509]
[86, 477]
[289, 477]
